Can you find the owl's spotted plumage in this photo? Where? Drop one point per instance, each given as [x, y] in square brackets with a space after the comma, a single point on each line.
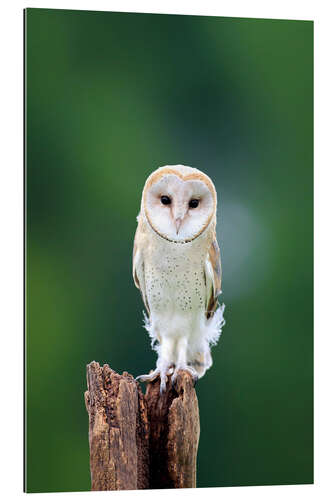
[176, 266]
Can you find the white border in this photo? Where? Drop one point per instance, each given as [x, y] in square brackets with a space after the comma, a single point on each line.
[11, 209]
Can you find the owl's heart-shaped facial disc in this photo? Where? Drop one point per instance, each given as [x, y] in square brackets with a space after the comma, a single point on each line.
[179, 205]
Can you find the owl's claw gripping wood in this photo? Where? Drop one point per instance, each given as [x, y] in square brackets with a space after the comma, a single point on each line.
[187, 368]
[153, 376]
[163, 384]
[148, 377]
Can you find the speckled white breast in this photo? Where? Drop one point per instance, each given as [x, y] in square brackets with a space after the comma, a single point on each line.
[175, 285]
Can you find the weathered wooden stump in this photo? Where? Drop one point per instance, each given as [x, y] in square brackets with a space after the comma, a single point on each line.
[141, 441]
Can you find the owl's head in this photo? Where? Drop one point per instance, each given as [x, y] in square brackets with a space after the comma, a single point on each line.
[179, 202]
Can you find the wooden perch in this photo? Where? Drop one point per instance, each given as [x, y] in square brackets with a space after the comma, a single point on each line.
[141, 441]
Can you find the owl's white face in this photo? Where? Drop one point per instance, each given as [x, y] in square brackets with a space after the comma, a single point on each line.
[179, 208]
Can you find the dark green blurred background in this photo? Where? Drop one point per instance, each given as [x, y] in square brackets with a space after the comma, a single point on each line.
[110, 97]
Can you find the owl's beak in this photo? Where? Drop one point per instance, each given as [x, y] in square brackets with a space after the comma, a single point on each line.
[178, 222]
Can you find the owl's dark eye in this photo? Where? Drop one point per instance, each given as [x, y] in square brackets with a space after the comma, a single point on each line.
[193, 203]
[165, 200]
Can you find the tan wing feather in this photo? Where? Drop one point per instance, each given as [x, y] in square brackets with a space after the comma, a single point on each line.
[138, 268]
[213, 274]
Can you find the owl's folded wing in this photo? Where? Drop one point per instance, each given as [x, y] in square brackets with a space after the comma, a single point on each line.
[213, 274]
[138, 270]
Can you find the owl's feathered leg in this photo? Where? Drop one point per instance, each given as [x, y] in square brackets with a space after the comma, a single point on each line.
[165, 359]
[164, 364]
[181, 363]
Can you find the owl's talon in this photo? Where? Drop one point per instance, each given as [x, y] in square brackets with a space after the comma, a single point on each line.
[174, 377]
[148, 377]
[188, 369]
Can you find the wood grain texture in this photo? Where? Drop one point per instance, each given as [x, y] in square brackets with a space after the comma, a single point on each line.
[118, 430]
[141, 441]
[174, 433]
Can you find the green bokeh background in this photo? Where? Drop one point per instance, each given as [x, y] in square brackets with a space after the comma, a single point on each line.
[109, 98]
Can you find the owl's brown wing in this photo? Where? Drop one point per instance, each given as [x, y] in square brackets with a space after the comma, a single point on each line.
[138, 268]
[213, 275]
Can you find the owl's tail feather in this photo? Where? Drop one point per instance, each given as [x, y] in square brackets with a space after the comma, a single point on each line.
[214, 326]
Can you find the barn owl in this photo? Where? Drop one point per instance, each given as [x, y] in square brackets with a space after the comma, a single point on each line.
[177, 267]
